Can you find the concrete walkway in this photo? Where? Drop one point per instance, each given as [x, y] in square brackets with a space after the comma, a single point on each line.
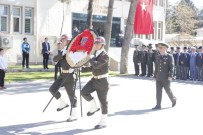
[130, 102]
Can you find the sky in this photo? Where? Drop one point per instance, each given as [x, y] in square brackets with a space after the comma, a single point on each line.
[198, 3]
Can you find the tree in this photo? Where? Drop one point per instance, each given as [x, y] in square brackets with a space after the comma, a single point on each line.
[89, 14]
[185, 18]
[170, 20]
[127, 37]
[108, 26]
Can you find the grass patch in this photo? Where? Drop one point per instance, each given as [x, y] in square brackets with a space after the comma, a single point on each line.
[30, 76]
[31, 66]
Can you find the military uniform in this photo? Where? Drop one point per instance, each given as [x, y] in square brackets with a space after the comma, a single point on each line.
[69, 82]
[136, 60]
[163, 70]
[184, 65]
[99, 83]
[150, 59]
[143, 60]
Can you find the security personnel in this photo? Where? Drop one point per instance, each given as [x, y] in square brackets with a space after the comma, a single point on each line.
[143, 60]
[67, 78]
[150, 59]
[99, 82]
[184, 64]
[136, 60]
[163, 75]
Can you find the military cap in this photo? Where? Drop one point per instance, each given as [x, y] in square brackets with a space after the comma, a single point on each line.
[185, 47]
[172, 48]
[178, 47]
[163, 44]
[100, 40]
[143, 45]
[200, 47]
[136, 45]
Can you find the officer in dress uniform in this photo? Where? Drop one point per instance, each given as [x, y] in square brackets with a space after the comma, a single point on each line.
[136, 60]
[150, 59]
[163, 75]
[143, 60]
[67, 78]
[99, 82]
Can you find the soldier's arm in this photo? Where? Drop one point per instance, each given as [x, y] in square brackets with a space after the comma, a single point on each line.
[134, 56]
[58, 57]
[171, 65]
[103, 61]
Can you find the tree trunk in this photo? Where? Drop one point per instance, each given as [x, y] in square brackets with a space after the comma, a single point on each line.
[127, 38]
[108, 26]
[89, 14]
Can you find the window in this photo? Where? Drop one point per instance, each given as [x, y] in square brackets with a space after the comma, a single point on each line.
[155, 31]
[28, 20]
[4, 11]
[16, 19]
[161, 3]
[160, 30]
[155, 2]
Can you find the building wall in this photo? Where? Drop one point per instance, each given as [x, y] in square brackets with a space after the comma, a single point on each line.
[47, 22]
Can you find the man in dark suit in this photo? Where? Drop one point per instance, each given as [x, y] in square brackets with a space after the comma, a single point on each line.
[45, 52]
[163, 75]
[136, 60]
[184, 64]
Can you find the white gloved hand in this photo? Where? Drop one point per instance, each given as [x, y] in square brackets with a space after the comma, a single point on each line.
[74, 76]
[64, 51]
[91, 56]
[71, 70]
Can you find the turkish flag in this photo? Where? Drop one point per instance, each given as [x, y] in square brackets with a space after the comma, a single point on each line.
[143, 23]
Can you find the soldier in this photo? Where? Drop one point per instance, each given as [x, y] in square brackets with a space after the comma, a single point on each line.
[150, 59]
[177, 63]
[163, 75]
[136, 60]
[99, 82]
[143, 60]
[156, 52]
[67, 78]
[199, 63]
[184, 64]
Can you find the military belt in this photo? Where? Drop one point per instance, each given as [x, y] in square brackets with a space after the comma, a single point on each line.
[101, 76]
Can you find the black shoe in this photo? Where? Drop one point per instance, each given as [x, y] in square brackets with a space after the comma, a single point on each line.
[174, 103]
[99, 126]
[59, 109]
[157, 107]
[91, 113]
[71, 120]
[47, 68]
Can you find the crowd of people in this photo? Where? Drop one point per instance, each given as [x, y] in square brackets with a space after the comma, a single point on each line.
[188, 61]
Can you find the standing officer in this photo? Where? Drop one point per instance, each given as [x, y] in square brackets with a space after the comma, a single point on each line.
[45, 52]
[184, 64]
[143, 59]
[199, 63]
[193, 70]
[163, 75]
[150, 59]
[99, 82]
[67, 78]
[136, 60]
[25, 52]
[177, 63]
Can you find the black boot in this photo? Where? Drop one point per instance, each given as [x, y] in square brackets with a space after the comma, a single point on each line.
[157, 107]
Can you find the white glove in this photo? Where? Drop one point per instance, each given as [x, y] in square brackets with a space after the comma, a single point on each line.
[71, 70]
[91, 56]
[74, 76]
[64, 51]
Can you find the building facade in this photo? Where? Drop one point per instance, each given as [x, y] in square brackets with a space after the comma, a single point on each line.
[37, 19]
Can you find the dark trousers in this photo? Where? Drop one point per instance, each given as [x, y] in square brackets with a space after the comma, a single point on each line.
[150, 69]
[160, 84]
[184, 72]
[57, 69]
[25, 59]
[177, 71]
[2, 76]
[137, 68]
[143, 68]
[101, 86]
[69, 87]
[45, 60]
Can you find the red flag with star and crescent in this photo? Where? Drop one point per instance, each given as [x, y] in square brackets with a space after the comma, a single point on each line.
[143, 21]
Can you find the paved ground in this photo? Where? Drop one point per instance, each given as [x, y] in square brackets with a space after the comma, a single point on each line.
[130, 103]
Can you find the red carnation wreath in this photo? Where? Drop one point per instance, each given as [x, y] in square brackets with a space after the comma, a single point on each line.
[83, 42]
[80, 48]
